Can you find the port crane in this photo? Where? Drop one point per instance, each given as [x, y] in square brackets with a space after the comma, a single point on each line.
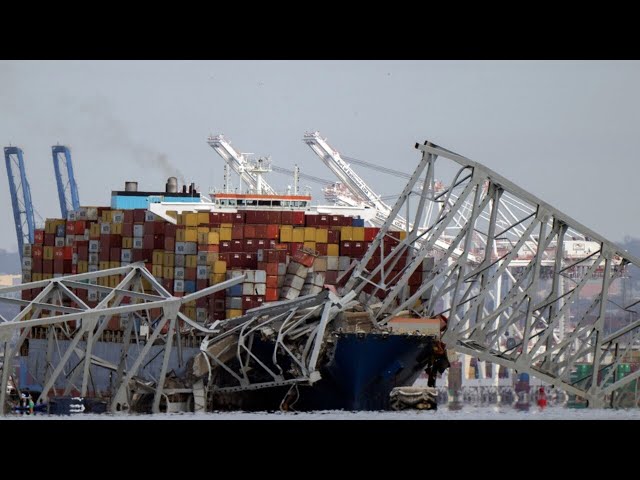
[65, 180]
[249, 172]
[20, 197]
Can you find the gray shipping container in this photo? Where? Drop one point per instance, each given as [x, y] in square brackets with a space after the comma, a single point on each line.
[251, 278]
[260, 289]
[261, 276]
[138, 243]
[320, 264]
[59, 242]
[178, 285]
[282, 269]
[234, 303]
[125, 255]
[178, 273]
[190, 248]
[343, 263]
[26, 250]
[202, 272]
[202, 258]
[138, 230]
[247, 288]
[105, 228]
[178, 260]
[94, 258]
[332, 264]
[149, 216]
[94, 246]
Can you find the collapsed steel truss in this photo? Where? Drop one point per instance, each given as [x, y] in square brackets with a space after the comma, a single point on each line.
[544, 318]
[533, 302]
[140, 298]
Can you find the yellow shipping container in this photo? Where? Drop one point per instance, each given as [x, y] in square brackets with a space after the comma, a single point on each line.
[47, 276]
[190, 234]
[322, 235]
[215, 278]
[191, 219]
[103, 265]
[83, 266]
[191, 261]
[146, 285]
[106, 216]
[36, 277]
[116, 228]
[333, 249]
[180, 234]
[94, 230]
[127, 242]
[47, 253]
[190, 312]
[114, 264]
[225, 234]
[167, 273]
[346, 234]
[114, 280]
[311, 245]
[309, 234]
[192, 304]
[231, 313]
[203, 229]
[158, 257]
[403, 235]
[169, 259]
[202, 238]
[226, 225]
[213, 237]
[358, 234]
[298, 235]
[173, 214]
[203, 218]
[181, 219]
[156, 271]
[286, 234]
[220, 267]
[103, 281]
[49, 226]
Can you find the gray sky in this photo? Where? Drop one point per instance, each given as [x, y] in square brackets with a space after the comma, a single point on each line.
[566, 131]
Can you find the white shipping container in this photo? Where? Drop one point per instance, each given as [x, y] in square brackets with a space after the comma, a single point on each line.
[178, 273]
[26, 277]
[202, 272]
[59, 242]
[332, 264]
[178, 260]
[138, 243]
[282, 269]
[247, 288]
[190, 248]
[201, 315]
[68, 240]
[117, 218]
[288, 293]
[318, 279]
[125, 255]
[94, 258]
[260, 289]
[261, 276]
[180, 248]
[26, 250]
[105, 228]
[72, 215]
[234, 303]
[138, 230]
[294, 281]
[202, 258]
[343, 263]
[178, 285]
[251, 277]
[94, 246]
[149, 216]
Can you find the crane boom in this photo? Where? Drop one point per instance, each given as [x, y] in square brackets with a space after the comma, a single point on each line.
[67, 187]
[20, 196]
[238, 162]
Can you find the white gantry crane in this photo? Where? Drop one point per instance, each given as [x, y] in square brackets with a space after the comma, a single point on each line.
[249, 171]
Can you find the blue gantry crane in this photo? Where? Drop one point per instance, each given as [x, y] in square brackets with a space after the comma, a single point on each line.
[67, 187]
[20, 196]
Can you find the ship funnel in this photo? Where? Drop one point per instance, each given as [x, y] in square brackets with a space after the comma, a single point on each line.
[130, 186]
[192, 188]
[172, 185]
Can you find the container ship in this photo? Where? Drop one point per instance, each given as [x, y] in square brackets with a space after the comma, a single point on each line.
[285, 247]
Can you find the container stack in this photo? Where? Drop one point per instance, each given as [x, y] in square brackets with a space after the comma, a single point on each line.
[283, 254]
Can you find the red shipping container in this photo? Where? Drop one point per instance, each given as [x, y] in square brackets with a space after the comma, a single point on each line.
[36, 264]
[169, 230]
[271, 269]
[237, 217]
[298, 218]
[148, 265]
[214, 217]
[272, 295]
[273, 232]
[49, 239]
[47, 266]
[225, 247]
[270, 256]
[237, 260]
[250, 261]
[250, 245]
[237, 231]
[262, 217]
[357, 249]
[167, 283]
[333, 236]
[225, 257]
[38, 237]
[275, 217]
[250, 231]
[272, 280]
[70, 228]
[311, 220]
[248, 302]
[58, 265]
[322, 220]
[262, 244]
[209, 248]
[261, 231]
[258, 300]
[170, 243]
[335, 220]
[74, 269]
[201, 284]
[138, 215]
[321, 248]
[286, 217]
[137, 255]
[127, 229]
[331, 277]
[370, 233]
[226, 217]
[190, 273]
[67, 253]
[282, 256]
[272, 243]
[347, 221]
[58, 253]
[237, 245]
[114, 254]
[295, 246]
[127, 216]
[345, 249]
[36, 251]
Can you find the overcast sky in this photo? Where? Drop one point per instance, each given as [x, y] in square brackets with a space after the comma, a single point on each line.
[565, 131]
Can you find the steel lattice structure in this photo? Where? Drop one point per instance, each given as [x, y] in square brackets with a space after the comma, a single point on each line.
[546, 291]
